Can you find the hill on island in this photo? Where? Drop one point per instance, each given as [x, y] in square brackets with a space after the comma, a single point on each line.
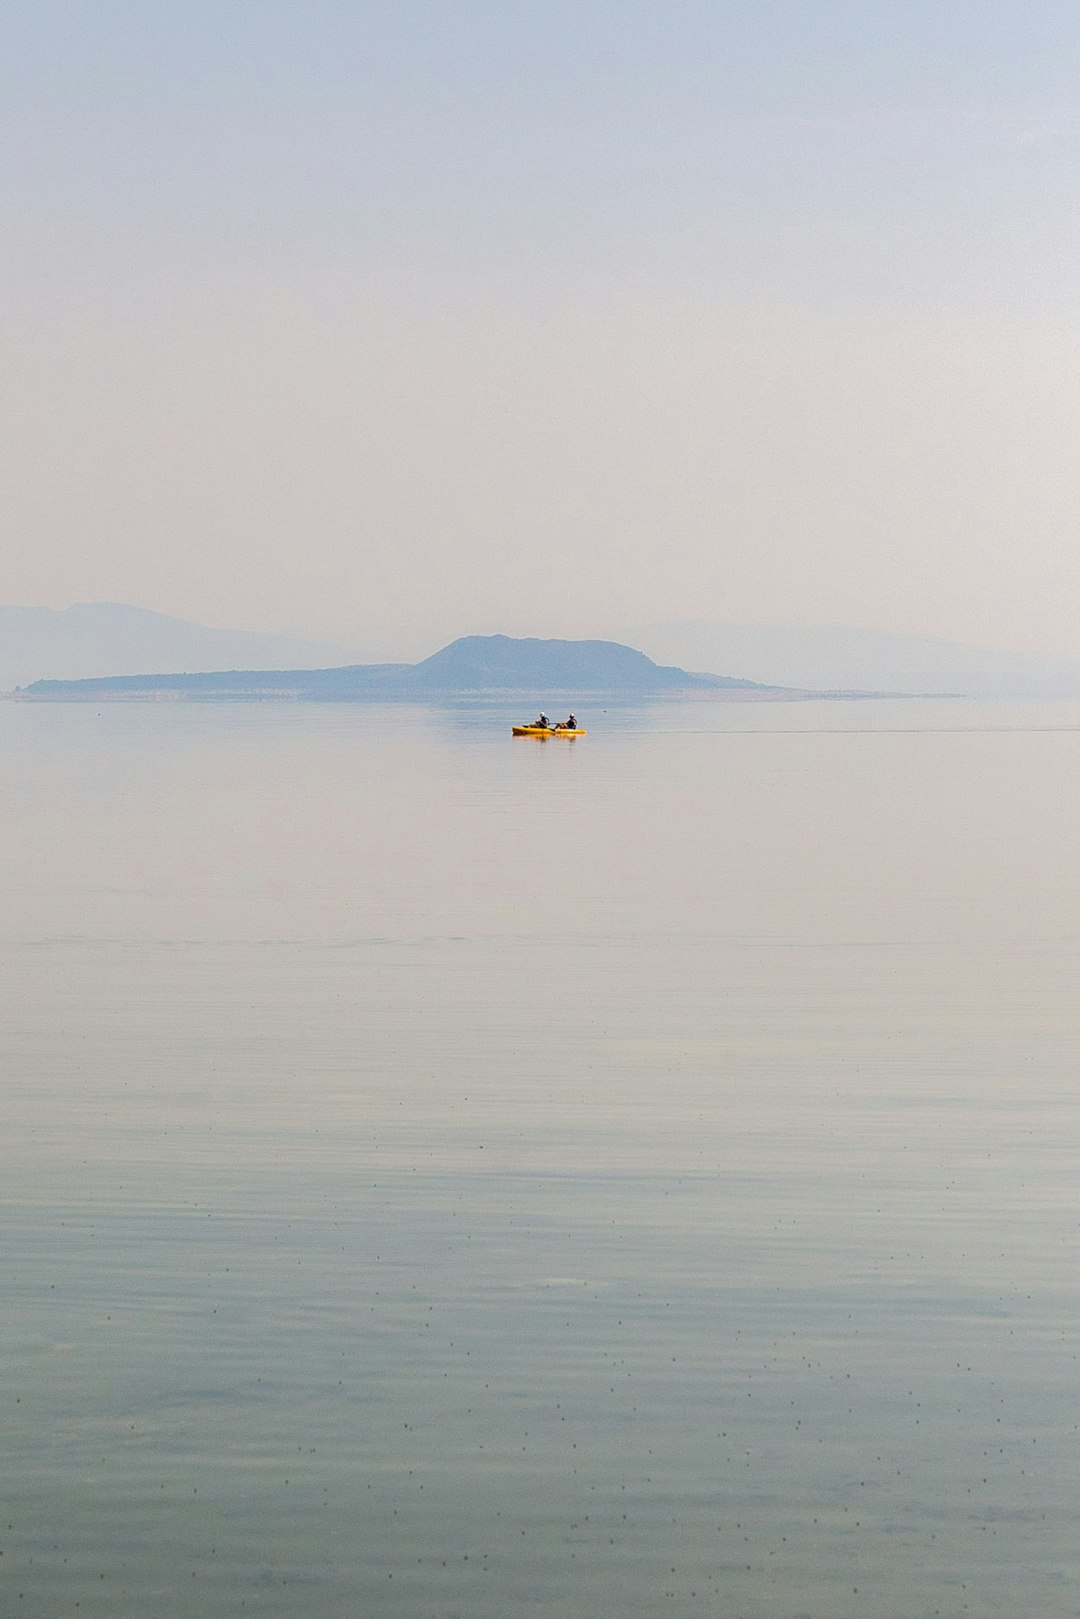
[505, 663]
[475, 664]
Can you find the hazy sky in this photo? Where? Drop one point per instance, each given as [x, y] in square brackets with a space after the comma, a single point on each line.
[399, 319]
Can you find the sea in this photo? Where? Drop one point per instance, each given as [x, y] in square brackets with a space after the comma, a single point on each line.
[455, 1176]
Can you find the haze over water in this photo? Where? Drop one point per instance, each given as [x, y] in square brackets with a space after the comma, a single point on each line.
[449, 1175]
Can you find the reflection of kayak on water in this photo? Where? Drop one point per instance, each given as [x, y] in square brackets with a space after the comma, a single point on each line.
[548, 730]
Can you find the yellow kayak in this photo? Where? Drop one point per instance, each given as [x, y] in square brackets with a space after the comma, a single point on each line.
[546, 730]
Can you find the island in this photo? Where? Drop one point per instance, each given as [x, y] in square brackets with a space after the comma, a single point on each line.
[474, 665]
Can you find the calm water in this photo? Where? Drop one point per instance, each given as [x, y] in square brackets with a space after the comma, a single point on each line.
[453, 1176]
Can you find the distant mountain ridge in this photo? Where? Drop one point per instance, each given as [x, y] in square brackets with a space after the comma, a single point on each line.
[838, 657]
[97, 639]
[472, 664]
[105, 640]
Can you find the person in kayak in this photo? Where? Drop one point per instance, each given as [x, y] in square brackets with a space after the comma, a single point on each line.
[569, 724]
[543, 723]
